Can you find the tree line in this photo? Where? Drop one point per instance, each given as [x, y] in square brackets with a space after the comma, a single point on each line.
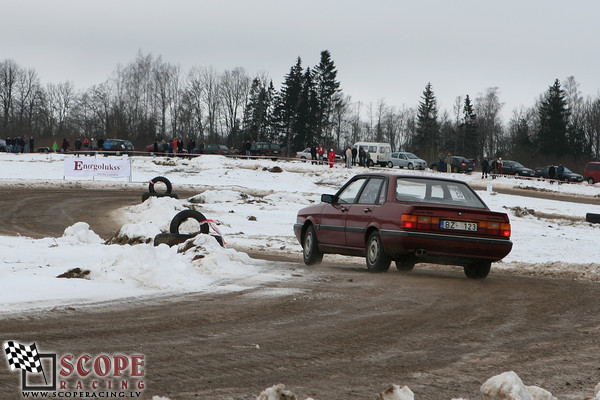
[150, 99]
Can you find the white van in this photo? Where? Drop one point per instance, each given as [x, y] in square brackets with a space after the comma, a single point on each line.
[379, 152]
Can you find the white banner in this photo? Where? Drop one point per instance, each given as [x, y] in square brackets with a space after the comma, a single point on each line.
[111, 168]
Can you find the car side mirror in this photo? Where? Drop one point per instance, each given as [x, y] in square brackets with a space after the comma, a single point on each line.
[328, 198]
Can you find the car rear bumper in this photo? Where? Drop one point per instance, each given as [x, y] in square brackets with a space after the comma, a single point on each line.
[404, 242]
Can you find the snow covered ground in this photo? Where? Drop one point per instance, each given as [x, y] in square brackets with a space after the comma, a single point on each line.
[254, 204]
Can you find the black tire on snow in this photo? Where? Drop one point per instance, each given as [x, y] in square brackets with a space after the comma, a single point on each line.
[171, 239]
[147, 195]
[478, 270]
[180, 217]
[593, 218]
[160, 179]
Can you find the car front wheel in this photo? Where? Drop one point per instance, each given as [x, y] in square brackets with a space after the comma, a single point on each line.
[310, 249]
[410, 166]
[478, 270]
[377, 260]
[591, 181]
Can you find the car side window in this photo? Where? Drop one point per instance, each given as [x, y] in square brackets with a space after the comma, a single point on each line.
[350, 192]
[370, 194]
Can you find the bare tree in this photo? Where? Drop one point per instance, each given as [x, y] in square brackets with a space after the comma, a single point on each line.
[235, 87]
[211, 97]
[62, 99]
[9, 75]
[488, 107]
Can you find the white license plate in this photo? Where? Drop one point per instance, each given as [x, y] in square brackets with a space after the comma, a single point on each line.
[458, 225]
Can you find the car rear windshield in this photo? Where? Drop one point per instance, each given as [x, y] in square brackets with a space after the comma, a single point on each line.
[436, 192]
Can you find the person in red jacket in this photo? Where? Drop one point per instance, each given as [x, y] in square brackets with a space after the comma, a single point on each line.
[321, 153]
[331, 157]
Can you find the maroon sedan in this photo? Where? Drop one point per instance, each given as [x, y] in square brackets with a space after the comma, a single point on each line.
[408, 219]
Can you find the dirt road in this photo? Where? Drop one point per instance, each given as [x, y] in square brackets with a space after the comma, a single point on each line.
[334, 332]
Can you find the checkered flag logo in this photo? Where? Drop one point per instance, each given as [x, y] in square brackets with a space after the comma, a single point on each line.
[23, 357]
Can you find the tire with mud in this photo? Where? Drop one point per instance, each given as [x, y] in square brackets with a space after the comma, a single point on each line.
[377, 260]
[405, 265]
[478, 270]
[310, 247]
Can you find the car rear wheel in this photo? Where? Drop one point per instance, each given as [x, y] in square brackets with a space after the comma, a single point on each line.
[377, 260]
[310, 249]
[591, 181]
[390, 165]
[405, 265]
[478, 270]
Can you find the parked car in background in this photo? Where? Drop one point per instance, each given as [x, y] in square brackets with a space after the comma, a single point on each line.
[459, 165]
[568, 175]
[379, 153]
[592, 172]
[117, 147]
[219, 149]
[404, 159]
[406, 218]
[516, 168]
[266, 149]
[304, 154]
[3, 146]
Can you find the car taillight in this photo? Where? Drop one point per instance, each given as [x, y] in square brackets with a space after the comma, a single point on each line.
[419, 222]
[495, 228]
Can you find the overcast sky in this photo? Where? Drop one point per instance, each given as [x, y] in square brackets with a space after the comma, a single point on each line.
[383, 49]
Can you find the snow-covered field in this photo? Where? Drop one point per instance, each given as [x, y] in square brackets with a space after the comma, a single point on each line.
[254, 204]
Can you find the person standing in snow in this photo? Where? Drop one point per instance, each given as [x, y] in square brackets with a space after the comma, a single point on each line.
[321, 153]
[348, 157]
[313, 154]
[65, 145]
[331, 157]
[485, 166]
[551, 173]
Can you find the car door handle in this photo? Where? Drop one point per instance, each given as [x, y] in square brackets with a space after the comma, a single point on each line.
[343, 209]
[367, 210]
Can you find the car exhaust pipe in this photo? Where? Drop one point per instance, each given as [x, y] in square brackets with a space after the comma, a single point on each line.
[421, 253]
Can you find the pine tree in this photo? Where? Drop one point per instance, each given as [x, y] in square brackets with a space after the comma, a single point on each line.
[554, 117]
[470, 146]
[328, 92]
[427, 141]
[287, 102]
[306, 121]
[257, 117]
